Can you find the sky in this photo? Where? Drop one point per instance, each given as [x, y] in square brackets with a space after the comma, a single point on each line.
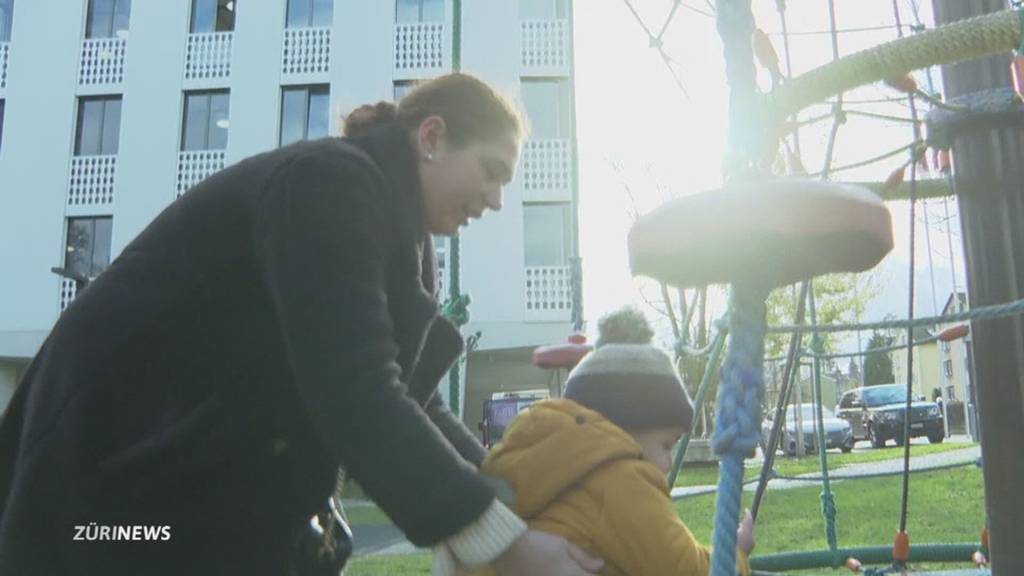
[643, 140]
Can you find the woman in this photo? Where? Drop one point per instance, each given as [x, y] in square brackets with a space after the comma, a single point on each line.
[273, 323]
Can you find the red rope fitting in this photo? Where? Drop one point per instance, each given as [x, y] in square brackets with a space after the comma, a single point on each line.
[984, 540]
[905, 84]
[853, 565]
[955, 333]
[901, 548]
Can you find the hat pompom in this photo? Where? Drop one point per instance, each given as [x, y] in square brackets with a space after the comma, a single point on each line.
[624, 326]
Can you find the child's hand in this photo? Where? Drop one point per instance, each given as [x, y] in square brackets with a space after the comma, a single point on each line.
[745, 534]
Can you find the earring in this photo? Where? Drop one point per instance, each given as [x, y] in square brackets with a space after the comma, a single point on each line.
[429, 157]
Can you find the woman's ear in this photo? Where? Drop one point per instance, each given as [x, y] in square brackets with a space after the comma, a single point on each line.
[430, 136]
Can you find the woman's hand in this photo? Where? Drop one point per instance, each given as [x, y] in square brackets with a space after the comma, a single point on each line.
[538, 553]
[745, 534]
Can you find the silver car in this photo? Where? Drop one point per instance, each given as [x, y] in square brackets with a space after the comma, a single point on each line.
[838, 433]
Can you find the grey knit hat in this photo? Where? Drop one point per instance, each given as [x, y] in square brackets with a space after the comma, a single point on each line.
[627, 379]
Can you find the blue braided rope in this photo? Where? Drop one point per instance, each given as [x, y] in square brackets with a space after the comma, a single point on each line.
[738, 418]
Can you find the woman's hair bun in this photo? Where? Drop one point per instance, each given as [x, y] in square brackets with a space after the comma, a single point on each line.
[624, 326]
[369, 116]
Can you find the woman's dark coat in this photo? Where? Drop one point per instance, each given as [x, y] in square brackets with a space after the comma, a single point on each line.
[263, 329]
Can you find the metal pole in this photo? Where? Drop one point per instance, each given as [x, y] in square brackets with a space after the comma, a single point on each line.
[988, 179]
[454, 285]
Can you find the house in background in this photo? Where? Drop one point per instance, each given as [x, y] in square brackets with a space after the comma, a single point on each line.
[111, 109]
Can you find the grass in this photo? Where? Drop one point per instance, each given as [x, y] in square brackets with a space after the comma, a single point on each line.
[945, 507]
[703, 474]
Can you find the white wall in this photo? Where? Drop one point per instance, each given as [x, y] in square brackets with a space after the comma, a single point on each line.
[41, 102]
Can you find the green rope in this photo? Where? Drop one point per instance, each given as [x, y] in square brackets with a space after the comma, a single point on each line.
[987, 312]
[828, 501]
[698, 403]
[963, 40]
[867, 555]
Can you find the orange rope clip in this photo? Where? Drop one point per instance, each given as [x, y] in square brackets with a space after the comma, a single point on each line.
[854, 565]
[901, 547]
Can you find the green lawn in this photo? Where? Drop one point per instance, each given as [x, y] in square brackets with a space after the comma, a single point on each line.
[702, 474]
[945, 507]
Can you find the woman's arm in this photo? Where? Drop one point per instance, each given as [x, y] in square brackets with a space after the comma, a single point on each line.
[323, 245]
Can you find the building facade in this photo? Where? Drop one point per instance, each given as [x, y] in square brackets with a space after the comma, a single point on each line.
[110, 110]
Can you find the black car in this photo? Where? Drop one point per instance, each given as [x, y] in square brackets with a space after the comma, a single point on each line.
[876, 413]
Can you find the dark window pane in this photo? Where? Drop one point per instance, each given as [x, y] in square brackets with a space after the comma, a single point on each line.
[111, 126]
[545, 234]
[432, 11]
[293, 115]
[122, 14]
[226, 15]
[101, 246]
[204, 13]
[407, 11]
[298, 13]
[6, 18]
[78, 253]
[319, 113]
[197, 118]
[323, 13]
[90, 127]
[219, 120]
[402, 87]
[98, 21]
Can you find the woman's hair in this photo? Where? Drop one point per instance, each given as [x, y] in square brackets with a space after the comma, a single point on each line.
[471, 109]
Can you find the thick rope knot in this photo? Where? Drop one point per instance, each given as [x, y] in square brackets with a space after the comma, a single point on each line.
[828, 509]
[738, 420]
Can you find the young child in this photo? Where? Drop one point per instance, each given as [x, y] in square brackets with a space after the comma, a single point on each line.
[591, 467]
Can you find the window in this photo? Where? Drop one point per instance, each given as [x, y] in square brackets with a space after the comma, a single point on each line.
[213, 16]
[543, 9]
[419, 11]
[108, 18]
[547, 106]
[310, 13]
[87, 250]
[546, 234]
[205, 124]
[305, 113]
[99, 126]
[947, 366]
[6, 19]
[945, 346]
[402, 87]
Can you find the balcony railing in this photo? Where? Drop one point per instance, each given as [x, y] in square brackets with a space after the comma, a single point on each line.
[67, 292]
[548, 293]
[419, 48]
[102, 61]
[92, 180]
[545, 47]
[208, 56]
[194, 166]
[5, 52]
[306, 51]
[547, 166]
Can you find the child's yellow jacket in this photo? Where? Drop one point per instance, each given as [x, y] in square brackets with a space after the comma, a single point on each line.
[578, 475]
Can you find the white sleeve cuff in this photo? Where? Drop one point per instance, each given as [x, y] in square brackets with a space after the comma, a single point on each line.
[487, 537]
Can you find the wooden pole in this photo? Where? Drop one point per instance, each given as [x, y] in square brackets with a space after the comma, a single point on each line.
[988, 179]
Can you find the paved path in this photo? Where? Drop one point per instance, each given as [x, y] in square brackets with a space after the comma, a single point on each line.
[373, 539]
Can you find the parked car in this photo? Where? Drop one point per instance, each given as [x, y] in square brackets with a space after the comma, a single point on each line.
[500, 412]
[837, 432]
[876, 413]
